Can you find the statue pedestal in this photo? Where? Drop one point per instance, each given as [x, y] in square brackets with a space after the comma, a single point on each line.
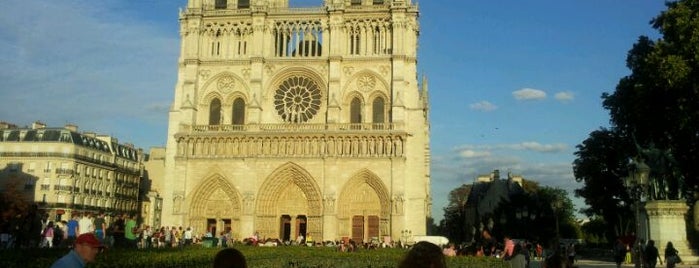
[666, 222]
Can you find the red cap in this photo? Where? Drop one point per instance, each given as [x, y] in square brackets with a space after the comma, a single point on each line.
[89, 239]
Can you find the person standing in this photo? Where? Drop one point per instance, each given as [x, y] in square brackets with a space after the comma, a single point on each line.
[73, 229]
[48, 235]
[86, 225]
[85, 250]
[131, 232]
[671, 256]
[118, 227]
[100, 227]
[424, 255]
[619, 252]
[651, 255]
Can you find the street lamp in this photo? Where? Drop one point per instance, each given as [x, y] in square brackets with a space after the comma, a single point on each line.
[555, 206]
[405, 235]
[636, 184]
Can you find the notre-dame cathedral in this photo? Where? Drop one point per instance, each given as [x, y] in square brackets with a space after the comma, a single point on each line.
[292, 121]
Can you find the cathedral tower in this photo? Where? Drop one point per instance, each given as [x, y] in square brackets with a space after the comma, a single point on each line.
[298, 121]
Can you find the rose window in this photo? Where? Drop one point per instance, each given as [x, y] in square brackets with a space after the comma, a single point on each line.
[297, 99]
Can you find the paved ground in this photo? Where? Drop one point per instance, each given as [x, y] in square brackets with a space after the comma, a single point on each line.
[604, 264]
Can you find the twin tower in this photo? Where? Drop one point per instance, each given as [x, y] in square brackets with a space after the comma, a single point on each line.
[291, 121]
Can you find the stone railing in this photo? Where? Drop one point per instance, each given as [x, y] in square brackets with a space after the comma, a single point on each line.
[345, 127]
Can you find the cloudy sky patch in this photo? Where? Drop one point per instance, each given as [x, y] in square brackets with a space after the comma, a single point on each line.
[529, 94]
[484, 106]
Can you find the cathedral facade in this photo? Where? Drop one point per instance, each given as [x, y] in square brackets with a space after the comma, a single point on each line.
[291, 121]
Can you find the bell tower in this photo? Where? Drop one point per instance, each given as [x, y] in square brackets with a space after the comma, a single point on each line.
[298, 120]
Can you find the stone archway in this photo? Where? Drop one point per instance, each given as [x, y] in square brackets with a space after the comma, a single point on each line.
[364, 207]
[215, 206]
[289, 191]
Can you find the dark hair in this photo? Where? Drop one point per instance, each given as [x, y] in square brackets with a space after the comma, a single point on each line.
[424, 255]
[229, 258]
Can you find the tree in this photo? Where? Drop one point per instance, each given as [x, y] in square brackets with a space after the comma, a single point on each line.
[454, 222]
[600, 165]
[656, 106]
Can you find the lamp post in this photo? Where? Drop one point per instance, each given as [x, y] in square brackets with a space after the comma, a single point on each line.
[405, 235]
[555, 206]
[636, 184]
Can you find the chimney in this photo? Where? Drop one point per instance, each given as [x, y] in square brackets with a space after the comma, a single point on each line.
[38, 125]
[71, 127]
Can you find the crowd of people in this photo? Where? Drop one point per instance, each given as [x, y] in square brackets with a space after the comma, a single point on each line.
[645, 253]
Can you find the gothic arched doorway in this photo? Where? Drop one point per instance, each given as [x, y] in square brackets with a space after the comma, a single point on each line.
[364, 208]
[289, 193]
[215, 207]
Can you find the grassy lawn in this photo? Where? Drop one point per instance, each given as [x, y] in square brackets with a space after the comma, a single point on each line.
[268, 257]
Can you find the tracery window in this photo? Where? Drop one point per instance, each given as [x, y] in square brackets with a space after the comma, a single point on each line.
[298, 39]
[378, 111]
[221, 4]
[297, 99]
[238, 115]
[215, 112]
[356, 111]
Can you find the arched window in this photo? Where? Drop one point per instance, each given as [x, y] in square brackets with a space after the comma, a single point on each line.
[378, 111]
[215, 112]
[238, 111]
[356, 111]
[221, 4]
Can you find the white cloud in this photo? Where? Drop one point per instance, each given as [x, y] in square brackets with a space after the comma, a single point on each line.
[523, 146]
[485, 106]
[564, 96]
[473, 154]
[543, 148]
[529, 94]
[87, 62]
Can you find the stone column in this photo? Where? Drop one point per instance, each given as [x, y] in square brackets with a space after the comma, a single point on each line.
[666, 221]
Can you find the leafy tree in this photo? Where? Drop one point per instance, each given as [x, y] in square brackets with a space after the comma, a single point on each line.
[600, 165]
[656, 106]
[454, 222]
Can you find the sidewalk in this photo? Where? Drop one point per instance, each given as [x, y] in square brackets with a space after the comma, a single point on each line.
[583, 263]
[604, 264]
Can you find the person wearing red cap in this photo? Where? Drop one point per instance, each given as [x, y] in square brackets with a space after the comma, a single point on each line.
[86, 248]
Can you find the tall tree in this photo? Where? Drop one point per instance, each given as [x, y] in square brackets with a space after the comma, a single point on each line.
[656, 106]
[601, 163]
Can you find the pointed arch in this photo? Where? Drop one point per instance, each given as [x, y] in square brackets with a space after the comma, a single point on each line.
[355, 110]
[370, 179]
[214, 198]
[215, 112]
[289, 177]
[364, 207]
[238, 111]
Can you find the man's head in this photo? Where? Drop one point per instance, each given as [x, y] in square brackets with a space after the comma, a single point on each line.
[88, 246]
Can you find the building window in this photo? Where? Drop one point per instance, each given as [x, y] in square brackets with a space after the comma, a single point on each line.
[243, 3]
[378, 111]
[215, 112]
[356, 2]
[378, 2]
[221, 4]
[356, 111]
[297, 99]
[238, 111]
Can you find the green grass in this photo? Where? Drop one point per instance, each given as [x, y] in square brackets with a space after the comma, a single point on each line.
[267, 257]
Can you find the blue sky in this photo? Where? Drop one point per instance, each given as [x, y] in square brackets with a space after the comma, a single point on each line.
[514, 85]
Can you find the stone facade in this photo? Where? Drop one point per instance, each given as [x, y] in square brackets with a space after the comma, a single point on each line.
[289, 121]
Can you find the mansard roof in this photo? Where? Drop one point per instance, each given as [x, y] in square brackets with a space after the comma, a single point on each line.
[67, 136]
